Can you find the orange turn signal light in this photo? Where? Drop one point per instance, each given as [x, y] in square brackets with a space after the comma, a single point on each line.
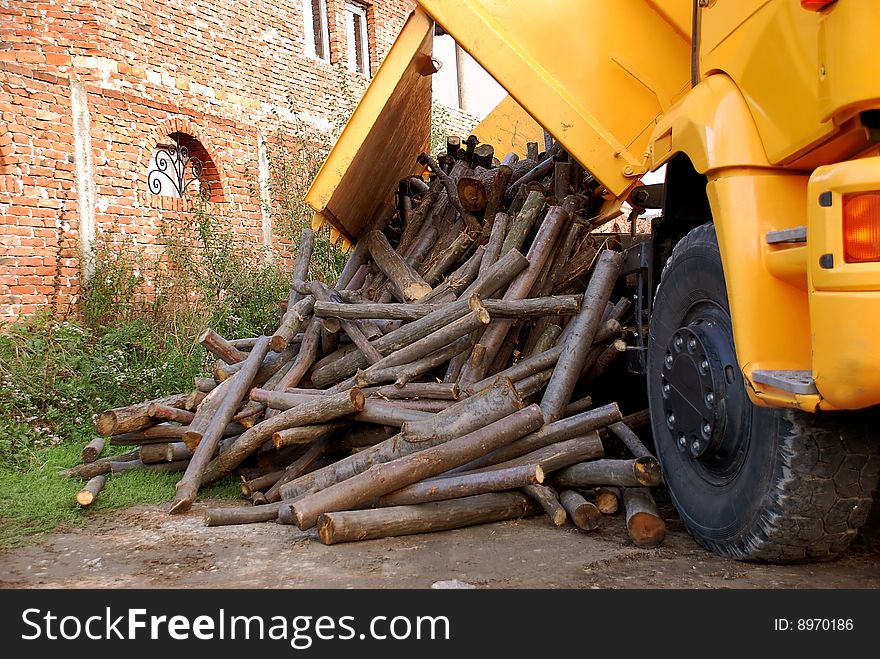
[861, 227]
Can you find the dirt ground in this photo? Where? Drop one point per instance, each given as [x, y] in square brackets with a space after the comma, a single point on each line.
[144, 547]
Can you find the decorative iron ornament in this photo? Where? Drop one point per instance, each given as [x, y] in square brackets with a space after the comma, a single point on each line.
[176, 166]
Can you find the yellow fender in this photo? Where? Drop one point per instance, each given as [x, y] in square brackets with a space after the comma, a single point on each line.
[769, 307]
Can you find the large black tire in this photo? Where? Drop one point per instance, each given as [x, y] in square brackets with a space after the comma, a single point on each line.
[770, 485]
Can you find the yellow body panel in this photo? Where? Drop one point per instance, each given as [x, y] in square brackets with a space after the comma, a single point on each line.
[509, 128]
[770, 315]
[583, 70]
[769, 48]
[713, 126]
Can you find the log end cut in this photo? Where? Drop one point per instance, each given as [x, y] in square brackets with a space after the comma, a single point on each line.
[106, 423]
[646, 530]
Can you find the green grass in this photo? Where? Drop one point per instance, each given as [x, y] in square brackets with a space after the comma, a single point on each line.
[54, 377]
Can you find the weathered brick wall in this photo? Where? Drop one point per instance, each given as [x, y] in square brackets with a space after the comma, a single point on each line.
[222, 71]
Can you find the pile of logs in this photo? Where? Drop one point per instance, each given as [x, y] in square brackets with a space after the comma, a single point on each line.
[447, 379]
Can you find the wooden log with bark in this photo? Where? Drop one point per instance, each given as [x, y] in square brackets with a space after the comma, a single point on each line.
[89, 492]
[585, 515]
[456, 486]
[643, 522]
[639, 472]
[406, 470]
[189, 485]
[352, 526]
[134, 417]
[546, 497]
[92, 450]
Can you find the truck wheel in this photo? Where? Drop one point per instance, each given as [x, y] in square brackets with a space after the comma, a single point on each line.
[749, 483]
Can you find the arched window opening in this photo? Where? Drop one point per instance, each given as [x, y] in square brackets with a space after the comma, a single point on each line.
[181, 167]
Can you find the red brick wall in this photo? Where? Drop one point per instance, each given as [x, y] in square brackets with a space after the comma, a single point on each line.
[219, 70]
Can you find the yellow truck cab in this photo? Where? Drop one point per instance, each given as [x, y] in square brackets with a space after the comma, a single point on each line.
[761, 325]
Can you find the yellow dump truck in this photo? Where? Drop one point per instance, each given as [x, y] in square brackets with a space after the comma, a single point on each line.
[763, 326]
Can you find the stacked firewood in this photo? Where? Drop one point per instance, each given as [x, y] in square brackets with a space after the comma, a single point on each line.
[447, 378]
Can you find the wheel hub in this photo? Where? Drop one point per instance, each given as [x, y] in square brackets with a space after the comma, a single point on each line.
[699, 381]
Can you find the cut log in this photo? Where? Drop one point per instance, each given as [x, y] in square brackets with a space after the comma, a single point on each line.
[604, 361]
[578, 406]
[133, 417]
[168, 452]
[545, 341]
[384, 478]
[305, 358]
[417, 218]
[405, 279]
[98, 467]
[291, 322]
[585, 515]
[565, 305]
[92, 450]
[639, 472]
[394, 521]
[519, 288]
[297, 468]
[448, 258]
[643, 522]
[454, 487]
[562, 172]
[579, 341]
[194, 399]
[489, 405]
[271, 365]
[459, 419]
[373, 411]
[555, 456]
[521, 370]
[205, 384]
[522, 224]
[437, 340]
[188, 486]
[117, 468]
[472, 194]
[89, 493]
[241, 515]
[220, 347]
[301, 266]
[630, 439]
[548, 499]
[166, 413]
[483, 155]
[337, 367]
[470, 221]
[608, 499]
[304, 434]
[551, 433]
[607, 330]
[326, 408]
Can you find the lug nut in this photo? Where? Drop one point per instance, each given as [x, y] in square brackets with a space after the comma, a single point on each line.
[666, 389]
[668, 360]
[695, 446]
[704, 365]
[710, 398]
[670, 419]
[692, 344]
[679, 342]
[707, 428]
[682, 441]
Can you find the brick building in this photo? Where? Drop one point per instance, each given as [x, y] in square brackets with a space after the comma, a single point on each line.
[92, 91]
